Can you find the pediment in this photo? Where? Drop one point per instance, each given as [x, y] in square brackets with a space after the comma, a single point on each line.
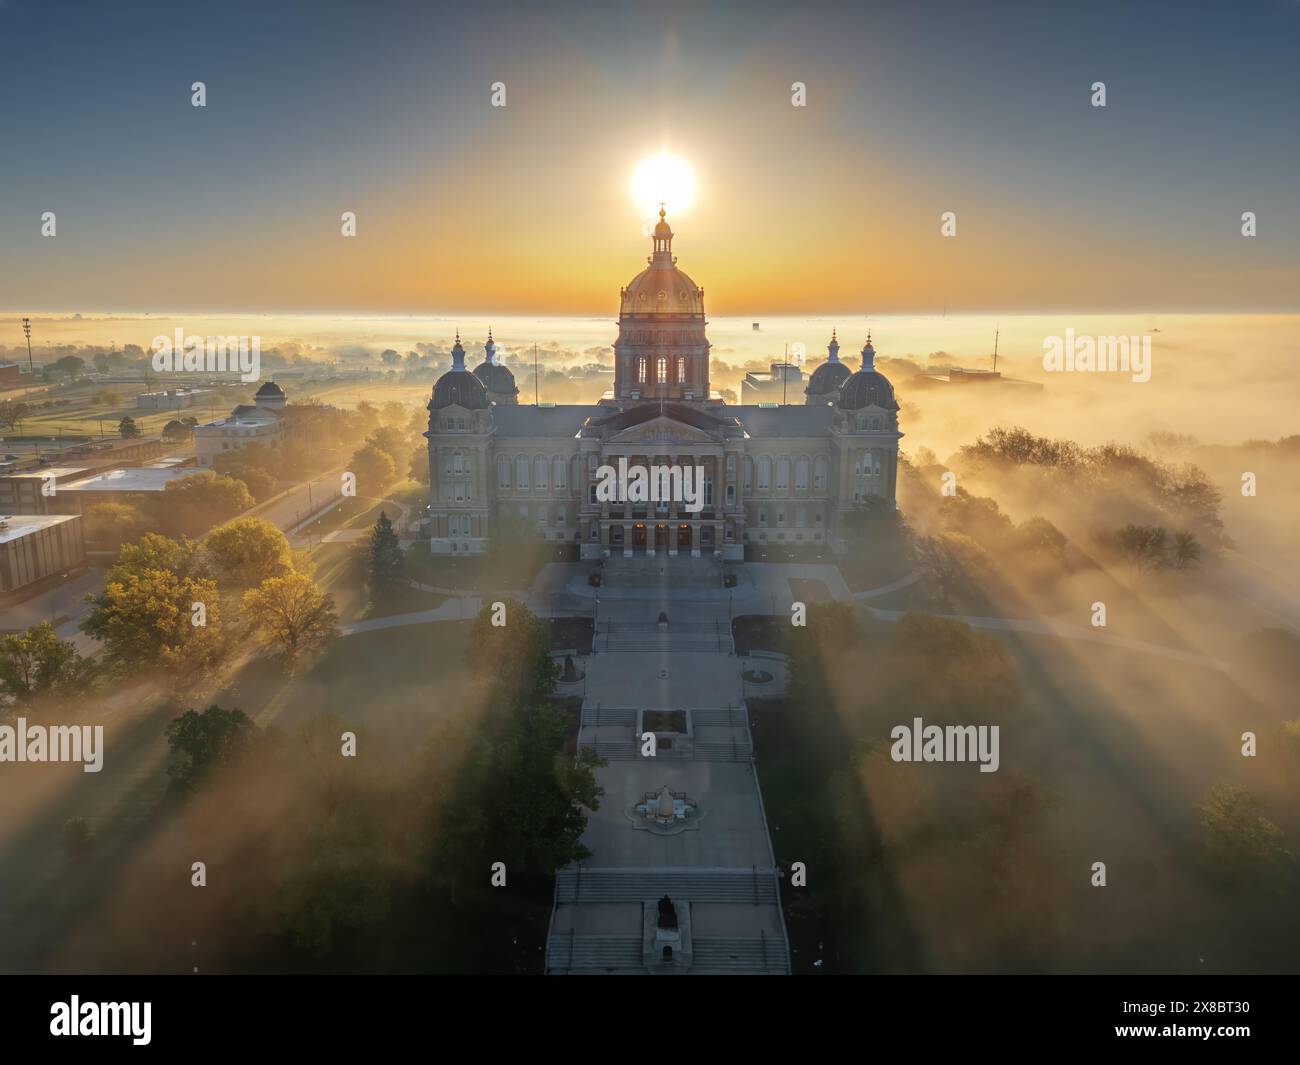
[663, 430]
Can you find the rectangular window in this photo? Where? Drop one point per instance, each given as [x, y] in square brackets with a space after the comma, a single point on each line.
[731, 495]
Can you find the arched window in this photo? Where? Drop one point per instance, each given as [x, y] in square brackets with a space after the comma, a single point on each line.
[782, 474]
[539, 473]
[819, 473]
[749, 474]
[764, 473]
[503, 472]
[801, 473]
[663, 370]
[559, 474]
[521, 472]
[457, 462]
[640, 369]
[681, 371]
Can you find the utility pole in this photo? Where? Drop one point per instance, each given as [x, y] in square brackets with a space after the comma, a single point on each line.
[996, 334]
[27, 332]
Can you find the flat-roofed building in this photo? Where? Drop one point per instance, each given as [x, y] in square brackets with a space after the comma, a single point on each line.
[114, 486]
[29, 491]
[36, 546]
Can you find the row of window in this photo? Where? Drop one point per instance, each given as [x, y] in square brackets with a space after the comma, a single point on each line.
[666, 366]
[764, 467]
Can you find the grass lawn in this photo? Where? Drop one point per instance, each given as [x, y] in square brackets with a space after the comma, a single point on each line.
[390, 682]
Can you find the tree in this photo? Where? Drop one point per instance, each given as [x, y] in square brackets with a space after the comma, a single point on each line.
[260, 484]
[196, 503]
[113, 524]
[515, 658]
[72, 366]
[127, 428]
[417, 468]
[389, 357]
[202, 742]
[387, 566]
[1241, 845]
[177, 430]
[247, 551]
[148, 619]
[940, 563]
[107, 397]
[36, 663]
[292, 612]
[12, 413]
[1186, 551]
[154, 551]
[1143, 547]
[374, 468]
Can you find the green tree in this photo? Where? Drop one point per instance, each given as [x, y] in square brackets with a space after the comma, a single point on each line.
[36, 663]
[202, 742]
[147, 619]
[247, 551]
[374, 468]
[515, 656]
[111, 525]
[387, 566]
[196, 503]
[153, 551]
[292, 612]
[177, 430]
[72, 366]
[127, 428]
[1239, 844]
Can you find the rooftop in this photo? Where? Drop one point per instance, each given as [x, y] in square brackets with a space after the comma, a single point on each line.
[144, 479]
[16, 526]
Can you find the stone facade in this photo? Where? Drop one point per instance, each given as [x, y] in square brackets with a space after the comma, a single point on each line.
[773, 474]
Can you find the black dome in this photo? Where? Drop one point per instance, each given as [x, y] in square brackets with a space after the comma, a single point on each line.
[270, 389]
[827, 378]
[459, 387]
[867, 388]
[496, 378]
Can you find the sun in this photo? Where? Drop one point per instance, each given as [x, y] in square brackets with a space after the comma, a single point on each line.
[663, 179]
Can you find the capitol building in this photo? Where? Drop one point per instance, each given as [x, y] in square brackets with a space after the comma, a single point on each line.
[773, 474]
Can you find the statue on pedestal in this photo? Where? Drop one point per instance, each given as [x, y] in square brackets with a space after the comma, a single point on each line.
[667, 913]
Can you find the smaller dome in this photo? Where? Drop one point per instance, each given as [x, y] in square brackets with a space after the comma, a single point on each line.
[496, 378]
[270, 389]
[827, 378]
[459, 388]
[867, 388]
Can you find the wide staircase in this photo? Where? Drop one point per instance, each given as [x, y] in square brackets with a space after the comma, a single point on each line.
[677, 636]
[757, 886]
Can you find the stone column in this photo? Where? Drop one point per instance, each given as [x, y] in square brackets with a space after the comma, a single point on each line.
[627, 539]
[695, 539]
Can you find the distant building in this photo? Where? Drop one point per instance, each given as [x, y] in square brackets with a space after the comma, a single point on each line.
[11, 375]
[249, 423]
[785, 384]
[956, 375]
[169, 399]
[36, 546]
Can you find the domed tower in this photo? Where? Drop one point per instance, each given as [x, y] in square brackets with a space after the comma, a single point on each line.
[661, 351]
[270, 397]
[460, 435]
[866, 436]
[824, 385]
[499, 381]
